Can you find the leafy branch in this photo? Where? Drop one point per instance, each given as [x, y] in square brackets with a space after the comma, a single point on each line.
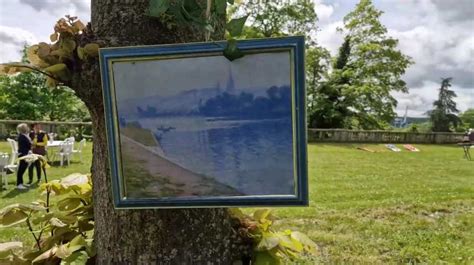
[56, 60]
[191, 13]
[70, 222]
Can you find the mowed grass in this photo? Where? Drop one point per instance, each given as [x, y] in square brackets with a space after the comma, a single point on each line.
[12, 195]
[367, 208]
[388, 207]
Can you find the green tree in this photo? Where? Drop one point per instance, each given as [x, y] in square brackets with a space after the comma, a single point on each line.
[373, 68]
[275, 19]
[26, 97]
[443, 115]
[467, 118]
[329, 105]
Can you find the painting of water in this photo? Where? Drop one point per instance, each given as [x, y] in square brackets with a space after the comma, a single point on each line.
[204, 127]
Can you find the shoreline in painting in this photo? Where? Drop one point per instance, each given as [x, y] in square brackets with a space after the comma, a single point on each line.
[165, 178]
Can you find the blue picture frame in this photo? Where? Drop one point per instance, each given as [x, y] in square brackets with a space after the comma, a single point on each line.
[135, 139]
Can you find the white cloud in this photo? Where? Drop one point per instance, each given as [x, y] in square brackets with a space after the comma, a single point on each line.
[323, 11]
[420, 99]
[437, 34]
[59, 7]
[329, 37]
[12, 40]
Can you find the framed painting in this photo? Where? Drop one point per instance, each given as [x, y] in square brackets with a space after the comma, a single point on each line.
[188, 128]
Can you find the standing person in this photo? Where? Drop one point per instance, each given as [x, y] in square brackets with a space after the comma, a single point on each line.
[24, 148]
[39, 139]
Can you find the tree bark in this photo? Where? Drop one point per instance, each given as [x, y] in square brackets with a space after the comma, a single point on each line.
[188, 236]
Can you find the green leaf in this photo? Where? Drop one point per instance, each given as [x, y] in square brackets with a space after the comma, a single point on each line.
[268, 241]
[237, 213]
[261, 214]
[309, 244]
[62, 53]
[81, 53]
[59, 70]
[13, 217]
[221, 6]
[78, 243]
[91, 49]
[264, 258]
[69, 203]
[191, 11]
[76, 258]
[235, 26]
[289, 243]
[231, 2]
[156, 8]
[231, 51]
[68, 45]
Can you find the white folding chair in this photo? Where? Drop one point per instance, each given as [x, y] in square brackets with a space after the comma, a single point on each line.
[12, 165]
[14, 150]
[65, 152]
[82, 144]
[4, 161]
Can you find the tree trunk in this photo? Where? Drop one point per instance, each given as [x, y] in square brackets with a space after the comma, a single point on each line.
[188, 236]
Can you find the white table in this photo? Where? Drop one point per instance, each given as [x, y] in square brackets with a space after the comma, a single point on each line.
[52, 148]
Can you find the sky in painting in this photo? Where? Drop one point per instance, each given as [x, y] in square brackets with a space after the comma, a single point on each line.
[165, 78]
[437, 34]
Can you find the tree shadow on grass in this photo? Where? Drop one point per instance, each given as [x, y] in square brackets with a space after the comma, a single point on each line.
[14, 192]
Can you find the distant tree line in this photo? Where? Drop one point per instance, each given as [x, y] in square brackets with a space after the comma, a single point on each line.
[352, 89]
[25, 96]
[277, 104]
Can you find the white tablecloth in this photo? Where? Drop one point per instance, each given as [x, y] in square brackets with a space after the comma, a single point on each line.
[54, 143]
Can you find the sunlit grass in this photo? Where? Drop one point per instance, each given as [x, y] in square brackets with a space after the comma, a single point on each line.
[388, 207]
[12, 195]
[381, 207]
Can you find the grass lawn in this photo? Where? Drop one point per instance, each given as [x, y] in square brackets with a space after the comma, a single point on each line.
[12, 195]
[388, 207]
[382, 207]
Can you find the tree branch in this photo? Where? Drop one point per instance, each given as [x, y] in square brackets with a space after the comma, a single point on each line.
[33, 233]
[35, 69]
[207, 35]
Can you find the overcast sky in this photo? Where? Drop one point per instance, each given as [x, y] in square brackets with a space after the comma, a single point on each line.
[437, 34]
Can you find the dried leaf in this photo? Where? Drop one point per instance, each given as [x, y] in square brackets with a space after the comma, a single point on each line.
[46, 255]
[32, 55]
[78, 25]
[53, 37]
[4, 247]
[56, 222]
[43, 50]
